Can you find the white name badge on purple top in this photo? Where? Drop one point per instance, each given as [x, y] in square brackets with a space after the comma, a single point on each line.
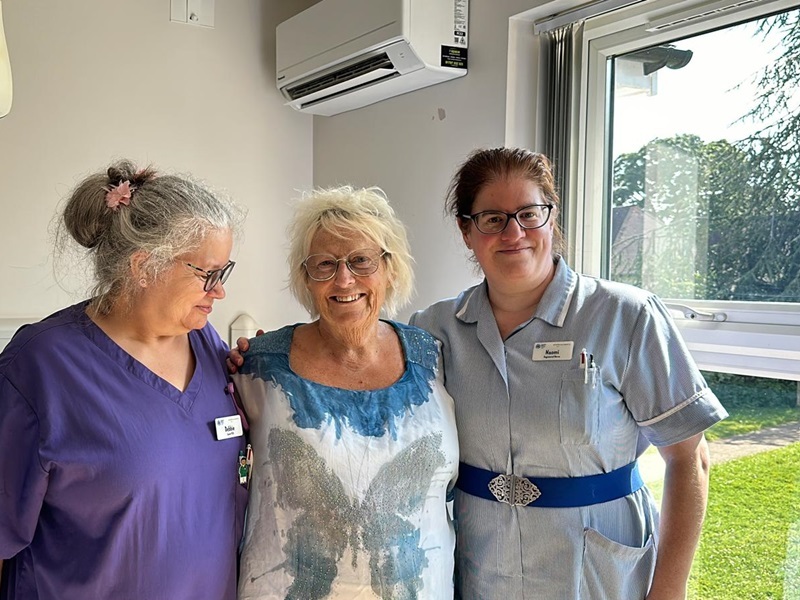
[228, 427]
[553, 350]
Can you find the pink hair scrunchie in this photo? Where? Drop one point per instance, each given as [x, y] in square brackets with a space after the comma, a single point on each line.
[119, 194]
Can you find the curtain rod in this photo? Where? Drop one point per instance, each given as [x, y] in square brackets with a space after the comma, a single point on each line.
[580, 13]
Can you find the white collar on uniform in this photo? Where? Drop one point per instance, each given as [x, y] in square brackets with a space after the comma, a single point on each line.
[552, 308]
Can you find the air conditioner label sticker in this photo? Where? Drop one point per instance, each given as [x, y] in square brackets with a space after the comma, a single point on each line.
[454, 57]
[460, 20]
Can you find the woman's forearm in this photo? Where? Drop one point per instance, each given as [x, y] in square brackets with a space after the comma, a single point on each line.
[682, 512]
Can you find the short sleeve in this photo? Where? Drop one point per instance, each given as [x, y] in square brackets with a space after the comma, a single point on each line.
[23, 481]
[662, 386]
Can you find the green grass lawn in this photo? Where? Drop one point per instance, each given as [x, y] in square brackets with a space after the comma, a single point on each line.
[753, 403]
[747, 419]
[750, 549]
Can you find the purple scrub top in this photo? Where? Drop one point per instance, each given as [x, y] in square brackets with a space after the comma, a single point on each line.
[112, 481]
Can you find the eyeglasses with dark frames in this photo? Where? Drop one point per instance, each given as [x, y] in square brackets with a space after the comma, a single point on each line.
[532, 216]
[214, 276]
[363, 262]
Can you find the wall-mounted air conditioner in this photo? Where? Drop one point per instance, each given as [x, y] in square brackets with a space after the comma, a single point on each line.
[339, 55]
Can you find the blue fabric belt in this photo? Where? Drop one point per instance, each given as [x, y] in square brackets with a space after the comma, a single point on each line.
[549, 492]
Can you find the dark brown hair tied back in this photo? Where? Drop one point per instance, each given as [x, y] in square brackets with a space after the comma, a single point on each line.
[487, 165]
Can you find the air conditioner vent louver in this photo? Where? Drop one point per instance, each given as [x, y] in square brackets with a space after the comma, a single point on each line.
[329, 97]
[368, 65]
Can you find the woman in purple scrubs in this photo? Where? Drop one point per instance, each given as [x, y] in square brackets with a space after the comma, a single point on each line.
[114, 481]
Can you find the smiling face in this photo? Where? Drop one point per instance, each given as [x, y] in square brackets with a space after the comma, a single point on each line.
[347, 300]
[177, 301]
[515, 260]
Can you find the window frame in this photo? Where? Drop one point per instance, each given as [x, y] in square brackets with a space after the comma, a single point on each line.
[758, 339]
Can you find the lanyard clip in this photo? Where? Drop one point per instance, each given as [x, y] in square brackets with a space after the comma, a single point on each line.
[245, 466]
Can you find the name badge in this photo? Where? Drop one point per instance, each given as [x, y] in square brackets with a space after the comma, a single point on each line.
[228, 427]
[553, 351]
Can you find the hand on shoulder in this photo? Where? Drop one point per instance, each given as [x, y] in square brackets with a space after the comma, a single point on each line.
[235, 356]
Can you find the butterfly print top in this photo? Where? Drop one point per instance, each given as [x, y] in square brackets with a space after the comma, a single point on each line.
[349, 496]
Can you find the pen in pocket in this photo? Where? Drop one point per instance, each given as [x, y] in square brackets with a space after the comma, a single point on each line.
[585, 366]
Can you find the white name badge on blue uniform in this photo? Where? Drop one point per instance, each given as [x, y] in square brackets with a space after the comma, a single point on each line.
[553, 350]
[228, 427]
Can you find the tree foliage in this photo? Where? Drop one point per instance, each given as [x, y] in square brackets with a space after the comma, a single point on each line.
[777, 106]
[720, 220]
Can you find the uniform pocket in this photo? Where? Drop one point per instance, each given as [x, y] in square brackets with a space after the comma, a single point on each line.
[613, 570]
[579, 407]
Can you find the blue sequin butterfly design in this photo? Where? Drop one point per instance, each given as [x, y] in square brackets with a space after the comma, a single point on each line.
[328, 520]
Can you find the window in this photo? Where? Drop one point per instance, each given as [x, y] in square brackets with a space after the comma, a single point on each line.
[687, 183]
[705, 201]
[691, 166]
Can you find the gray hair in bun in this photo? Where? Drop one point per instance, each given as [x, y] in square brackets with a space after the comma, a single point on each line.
[163, 216]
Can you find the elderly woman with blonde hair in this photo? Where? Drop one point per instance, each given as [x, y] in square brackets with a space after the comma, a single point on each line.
[355, 447]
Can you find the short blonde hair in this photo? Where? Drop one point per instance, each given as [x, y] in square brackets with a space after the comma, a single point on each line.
[363, 211]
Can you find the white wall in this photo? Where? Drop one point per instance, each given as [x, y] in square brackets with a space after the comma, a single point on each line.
[410, 145]
[101, 79]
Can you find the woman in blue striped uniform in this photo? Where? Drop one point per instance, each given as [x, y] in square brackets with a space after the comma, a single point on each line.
[560, 382]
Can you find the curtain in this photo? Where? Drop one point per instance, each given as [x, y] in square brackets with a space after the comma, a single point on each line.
[559, 68]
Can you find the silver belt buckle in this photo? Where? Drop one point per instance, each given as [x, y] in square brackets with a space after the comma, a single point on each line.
[513, 490]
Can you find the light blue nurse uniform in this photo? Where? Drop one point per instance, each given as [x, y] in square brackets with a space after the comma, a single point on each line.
[520, 413]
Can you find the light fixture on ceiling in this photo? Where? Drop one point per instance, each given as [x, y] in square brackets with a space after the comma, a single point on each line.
[5, 71]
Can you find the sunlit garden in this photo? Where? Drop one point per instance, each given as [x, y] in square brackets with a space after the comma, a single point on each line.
[750, 548]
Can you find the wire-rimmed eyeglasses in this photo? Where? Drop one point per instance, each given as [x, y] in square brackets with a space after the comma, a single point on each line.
[362, 262]
[214, 276]
[532, 216]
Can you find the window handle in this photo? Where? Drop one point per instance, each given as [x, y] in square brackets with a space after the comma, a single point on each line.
[697, 315]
